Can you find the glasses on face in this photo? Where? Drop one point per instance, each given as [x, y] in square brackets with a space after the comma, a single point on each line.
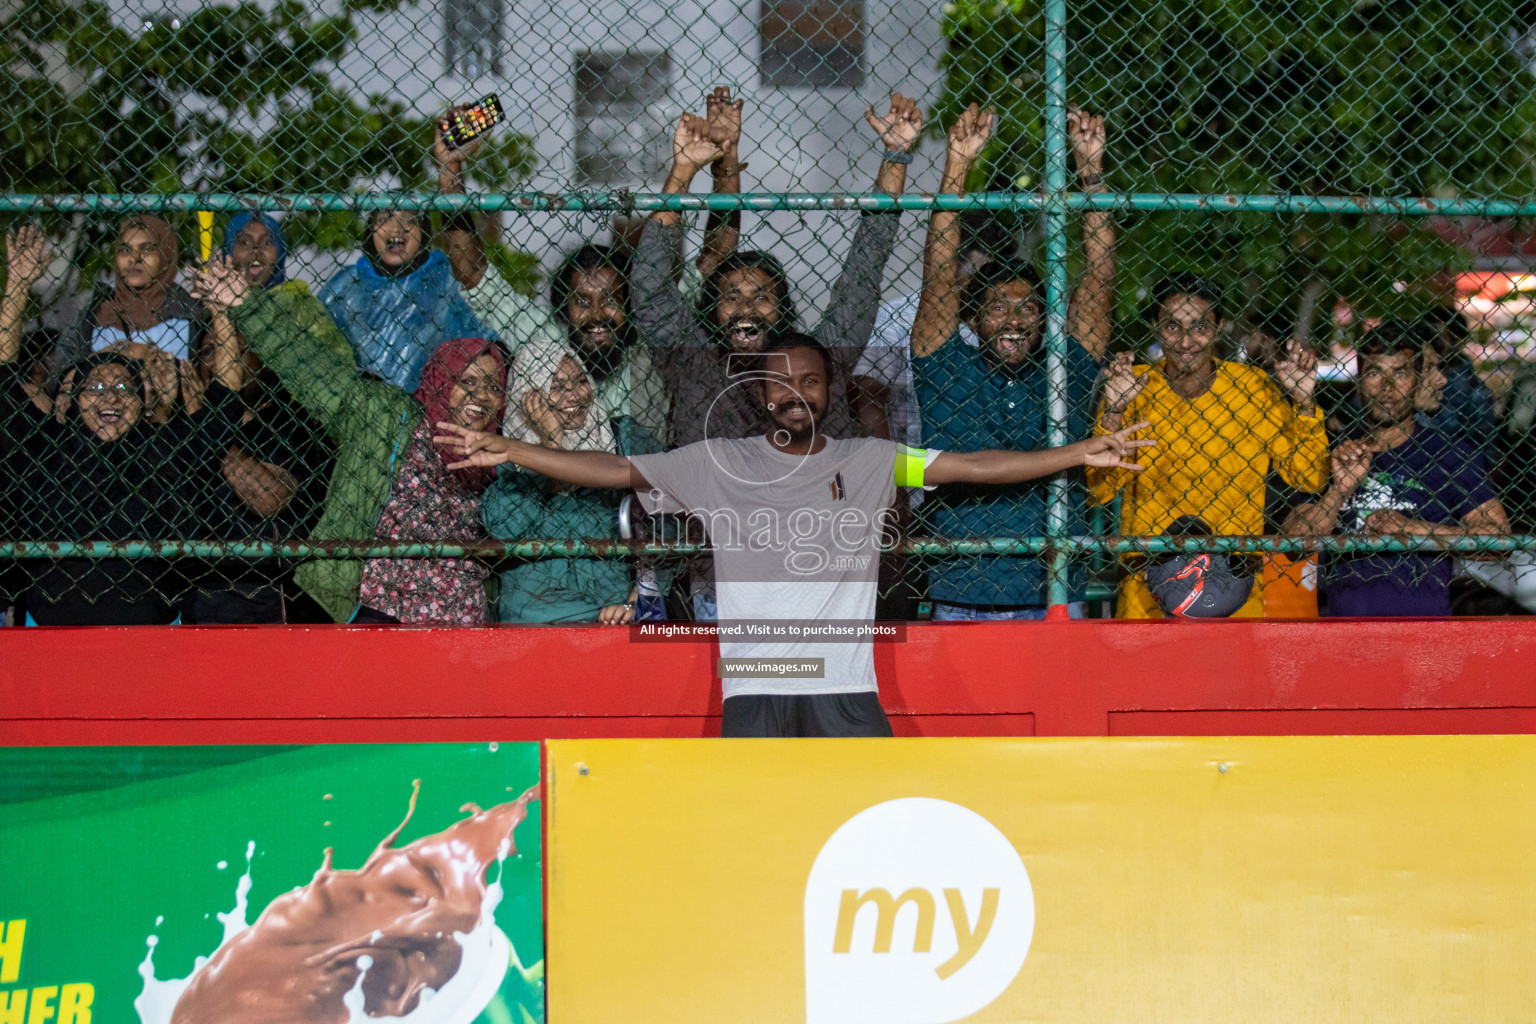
[1202, 328]
[102, 388]
[482, 386]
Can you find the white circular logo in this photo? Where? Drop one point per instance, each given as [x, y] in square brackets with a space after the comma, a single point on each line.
[917, 911]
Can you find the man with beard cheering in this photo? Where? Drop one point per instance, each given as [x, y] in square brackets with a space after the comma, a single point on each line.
[997, 393]
[746, 300]
[797, 521]
[590, 296]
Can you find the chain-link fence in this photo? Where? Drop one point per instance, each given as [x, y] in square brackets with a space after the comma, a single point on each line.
[1290, 237]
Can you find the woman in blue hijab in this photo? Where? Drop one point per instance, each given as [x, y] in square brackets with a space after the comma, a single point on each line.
[254, 243]
[276, 466]
[400, 301]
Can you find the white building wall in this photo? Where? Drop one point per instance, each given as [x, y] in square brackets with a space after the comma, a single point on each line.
[799, 139]
[802, 140]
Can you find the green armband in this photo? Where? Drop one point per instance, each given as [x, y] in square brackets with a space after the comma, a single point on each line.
[910, 463]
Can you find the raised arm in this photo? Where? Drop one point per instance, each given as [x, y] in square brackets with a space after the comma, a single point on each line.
[517, 318]
[1090, 315]
[1107, 451]
[228, 362]
[692, 151]
[1122, 386]
[898, 128]
[855, 300]
[1300, 449]
[722, 232]
[295, 338]
[26, 258]
[661, 315]
[460, 241]
[584, 468]
[938, 307]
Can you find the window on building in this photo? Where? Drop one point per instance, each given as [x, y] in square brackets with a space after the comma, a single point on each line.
[622, 121]
[812, 43]
[474, 36]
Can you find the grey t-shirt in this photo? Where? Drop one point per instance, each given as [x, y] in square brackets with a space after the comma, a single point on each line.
[796, 540]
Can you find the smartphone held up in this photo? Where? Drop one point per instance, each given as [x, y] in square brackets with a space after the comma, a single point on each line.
[463, 125]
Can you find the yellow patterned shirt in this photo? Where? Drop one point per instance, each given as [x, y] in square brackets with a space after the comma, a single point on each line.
[1213, 452]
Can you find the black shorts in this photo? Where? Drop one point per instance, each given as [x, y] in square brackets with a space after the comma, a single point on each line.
[761, 715]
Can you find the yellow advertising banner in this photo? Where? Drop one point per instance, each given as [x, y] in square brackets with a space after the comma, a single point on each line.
[920, 881]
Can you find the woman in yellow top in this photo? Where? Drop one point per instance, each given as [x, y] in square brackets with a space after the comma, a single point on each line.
[1221, 427]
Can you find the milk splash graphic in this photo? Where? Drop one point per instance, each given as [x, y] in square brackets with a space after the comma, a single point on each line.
[241, 979]
[157, 1000]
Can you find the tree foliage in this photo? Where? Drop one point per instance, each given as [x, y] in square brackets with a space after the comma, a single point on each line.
[1271, 97]
[222, 99]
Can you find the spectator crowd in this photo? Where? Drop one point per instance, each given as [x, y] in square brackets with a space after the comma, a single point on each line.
[225, 402]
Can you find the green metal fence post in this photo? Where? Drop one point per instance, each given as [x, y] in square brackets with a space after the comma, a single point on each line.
[1055, 227]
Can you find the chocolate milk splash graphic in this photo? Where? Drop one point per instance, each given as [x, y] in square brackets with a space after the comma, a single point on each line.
[410, 935]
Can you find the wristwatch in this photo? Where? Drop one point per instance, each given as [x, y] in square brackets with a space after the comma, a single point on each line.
[896, 156]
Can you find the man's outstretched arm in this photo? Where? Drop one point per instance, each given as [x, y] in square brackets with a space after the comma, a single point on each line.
[1012, 467]
[585, 469]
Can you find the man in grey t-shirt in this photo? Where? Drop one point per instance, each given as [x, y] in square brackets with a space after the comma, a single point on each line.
[796, 520]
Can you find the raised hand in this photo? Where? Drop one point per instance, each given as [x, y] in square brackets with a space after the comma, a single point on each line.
[969, 134]
[160, 383]
[475, 447]
[26, 258]
[192, 386]
[692, 148]
[450, 162]
[898, 127]
[217, 284]
[1432, 380]
[1297, 373]
[1086, 131]
[66, 395]
[1349, 463]
[539, 416]
[1109, 451]
[1121, 383]
[723, 116]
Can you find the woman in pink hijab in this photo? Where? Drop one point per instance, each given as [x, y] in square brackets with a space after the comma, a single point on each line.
[464, 380]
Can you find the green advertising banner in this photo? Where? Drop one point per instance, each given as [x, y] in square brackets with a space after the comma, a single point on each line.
[271, 885]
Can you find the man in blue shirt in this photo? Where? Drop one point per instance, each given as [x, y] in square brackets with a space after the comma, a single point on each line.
[996, 394]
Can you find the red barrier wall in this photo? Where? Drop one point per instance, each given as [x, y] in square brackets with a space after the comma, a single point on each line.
[343, 684]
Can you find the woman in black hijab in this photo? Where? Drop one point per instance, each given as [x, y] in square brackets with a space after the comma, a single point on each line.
[94, 467]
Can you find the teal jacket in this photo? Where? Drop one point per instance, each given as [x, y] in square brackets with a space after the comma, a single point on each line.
[368, 420]
[522, 505]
